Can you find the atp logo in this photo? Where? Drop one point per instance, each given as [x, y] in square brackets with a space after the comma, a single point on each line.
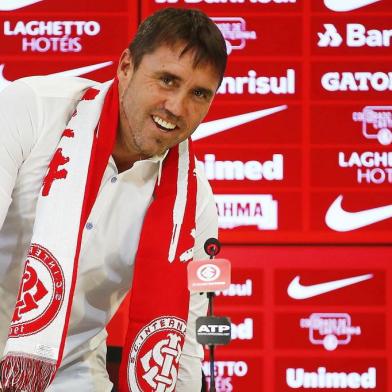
[155, 355]
[41, 293]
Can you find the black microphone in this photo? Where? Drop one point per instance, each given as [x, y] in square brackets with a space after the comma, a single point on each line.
[212, 247]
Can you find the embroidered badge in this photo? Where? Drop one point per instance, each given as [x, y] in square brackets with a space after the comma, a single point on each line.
[154, 356]
[40, 295]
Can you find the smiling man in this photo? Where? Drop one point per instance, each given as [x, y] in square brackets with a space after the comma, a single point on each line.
[100, 194]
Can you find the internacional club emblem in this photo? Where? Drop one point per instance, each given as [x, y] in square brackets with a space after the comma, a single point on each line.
[155, 354]
[41, 293]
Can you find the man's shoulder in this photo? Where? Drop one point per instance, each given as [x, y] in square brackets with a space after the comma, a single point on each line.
[55, 86]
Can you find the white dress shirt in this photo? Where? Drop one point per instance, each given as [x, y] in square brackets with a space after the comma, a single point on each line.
[33, 114]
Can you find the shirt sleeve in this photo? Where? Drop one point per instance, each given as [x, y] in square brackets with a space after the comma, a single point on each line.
[189, 377]
[18, 125]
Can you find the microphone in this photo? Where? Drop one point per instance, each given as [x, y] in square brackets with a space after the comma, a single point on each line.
[212, 247]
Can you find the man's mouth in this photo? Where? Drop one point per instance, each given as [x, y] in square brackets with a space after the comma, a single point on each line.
[162, 124]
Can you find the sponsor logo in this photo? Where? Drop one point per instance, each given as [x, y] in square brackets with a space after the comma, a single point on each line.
[11, 5]
[224, 372]
[338, 219]
[40, 295]
[216, 126]
[153, 366]
[237, 170]
[238, 289]
[356, 36]
[296, 290]
[72, 72]
[347, 5]
[357, 81]
[330, 329]
[322, 378]
[330, 37]
[372, 167]
[227, 1]
[242, 331]
[247, 210]
[260, 85]
[54, 36]
[234, 32]
[376, 123]
[208, 272]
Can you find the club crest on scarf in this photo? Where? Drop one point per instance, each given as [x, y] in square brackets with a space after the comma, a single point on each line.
[155, 354]
[40, 294]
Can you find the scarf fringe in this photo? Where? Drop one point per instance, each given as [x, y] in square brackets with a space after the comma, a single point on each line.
[26, 373]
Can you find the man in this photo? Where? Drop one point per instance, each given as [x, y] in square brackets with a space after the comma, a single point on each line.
[98, 193]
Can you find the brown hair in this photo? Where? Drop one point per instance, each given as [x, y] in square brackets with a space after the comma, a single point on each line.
[171, 26]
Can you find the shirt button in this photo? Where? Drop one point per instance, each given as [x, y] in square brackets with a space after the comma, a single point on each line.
[113, 180]
[89, 225]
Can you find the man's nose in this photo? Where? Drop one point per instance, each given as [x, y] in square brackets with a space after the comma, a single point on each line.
[176, 104]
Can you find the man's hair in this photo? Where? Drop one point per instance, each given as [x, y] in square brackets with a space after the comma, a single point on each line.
[171, 26]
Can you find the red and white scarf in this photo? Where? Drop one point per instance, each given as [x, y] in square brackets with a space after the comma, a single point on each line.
[159, 299]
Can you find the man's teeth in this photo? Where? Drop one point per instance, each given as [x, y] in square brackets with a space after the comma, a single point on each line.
[163, 123]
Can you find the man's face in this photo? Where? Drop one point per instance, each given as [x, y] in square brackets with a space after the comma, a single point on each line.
[163, 101]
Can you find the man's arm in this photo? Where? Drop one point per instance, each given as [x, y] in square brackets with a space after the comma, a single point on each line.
[18, 119]
[189, 378]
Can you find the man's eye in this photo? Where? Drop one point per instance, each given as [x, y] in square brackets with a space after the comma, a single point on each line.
[167, 80]
[199, 93]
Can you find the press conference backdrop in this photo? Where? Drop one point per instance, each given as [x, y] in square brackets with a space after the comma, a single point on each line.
[297, 149]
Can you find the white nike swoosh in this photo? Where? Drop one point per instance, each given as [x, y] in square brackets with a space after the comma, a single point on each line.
[347, 5]
[212, 127]
[72, 72]
[338, 219]
[11, 5]
[297, 291]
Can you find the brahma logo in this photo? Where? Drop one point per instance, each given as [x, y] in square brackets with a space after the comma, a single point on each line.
[55, 36]
[323, 379]
[356, 36]
[357, 81]
[247, 210]
[330, 329]
[155, 368]
[234, 31]
[262, 85]
[40, 295]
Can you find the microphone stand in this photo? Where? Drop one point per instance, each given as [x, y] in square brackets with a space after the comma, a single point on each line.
[211, 347]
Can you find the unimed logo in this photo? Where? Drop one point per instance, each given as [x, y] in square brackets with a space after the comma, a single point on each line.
[253, 170]
[324, 379]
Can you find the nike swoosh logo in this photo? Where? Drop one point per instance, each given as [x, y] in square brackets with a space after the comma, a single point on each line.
[212, 127]
[298, 291]
[338, 219]
[11, 5]
[72, 72]
[347, 5]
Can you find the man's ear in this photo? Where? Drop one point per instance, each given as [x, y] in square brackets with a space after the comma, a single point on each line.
[125, 66]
